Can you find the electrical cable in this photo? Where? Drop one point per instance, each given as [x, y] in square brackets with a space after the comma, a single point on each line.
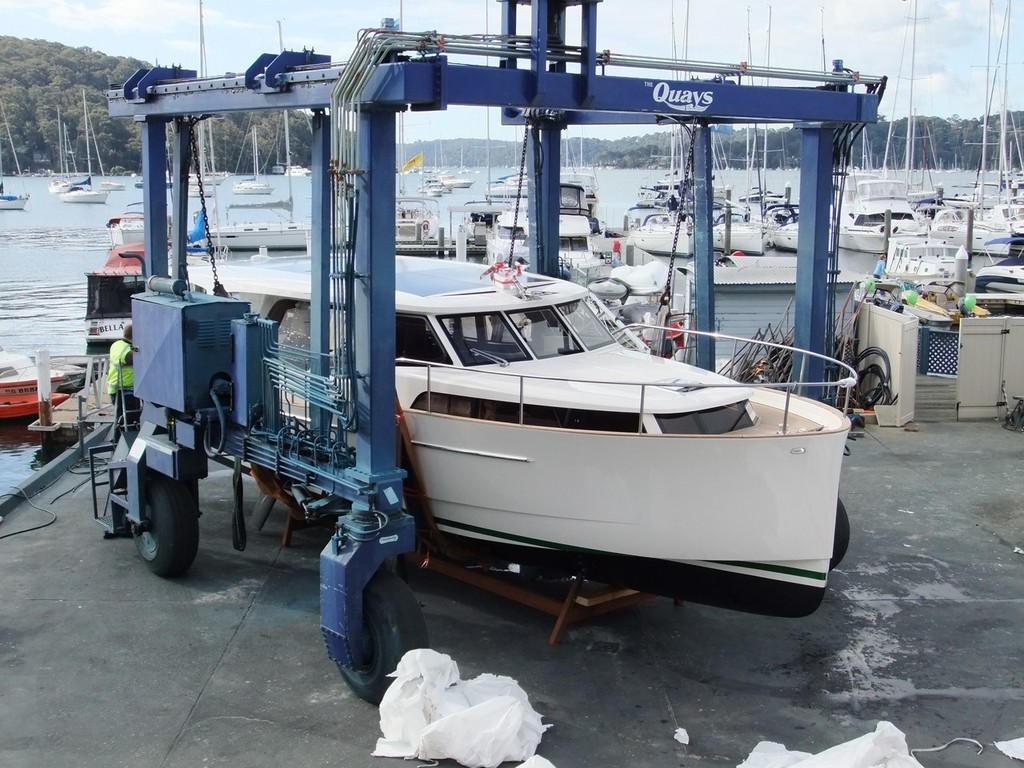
[51, 521]
[880, 393]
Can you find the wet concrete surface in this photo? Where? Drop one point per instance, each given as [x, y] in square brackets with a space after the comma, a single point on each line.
[104, 664]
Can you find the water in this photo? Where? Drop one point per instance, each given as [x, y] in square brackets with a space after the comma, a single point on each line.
[46, 250]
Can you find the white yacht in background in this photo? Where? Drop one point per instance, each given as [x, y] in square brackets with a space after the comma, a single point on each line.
[577, 258]
[866, 200]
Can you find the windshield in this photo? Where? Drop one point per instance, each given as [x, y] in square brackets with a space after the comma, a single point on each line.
[483, 339]
[585, 323]
[545, 334]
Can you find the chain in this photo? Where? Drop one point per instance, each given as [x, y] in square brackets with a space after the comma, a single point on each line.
[218, 288]
[519, 195]
[684, 211]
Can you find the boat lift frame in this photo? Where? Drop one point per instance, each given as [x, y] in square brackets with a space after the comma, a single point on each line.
[537, 79]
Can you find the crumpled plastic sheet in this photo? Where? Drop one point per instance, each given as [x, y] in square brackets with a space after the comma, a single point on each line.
[1013, 748]
[429, 713]
[886, 747]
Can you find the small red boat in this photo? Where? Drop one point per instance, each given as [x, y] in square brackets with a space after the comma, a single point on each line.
[19, 386]
[26, 406]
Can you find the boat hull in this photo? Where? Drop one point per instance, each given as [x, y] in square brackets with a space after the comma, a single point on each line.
[771, 533]
[286, 236]
[13, 203]
[25, 406]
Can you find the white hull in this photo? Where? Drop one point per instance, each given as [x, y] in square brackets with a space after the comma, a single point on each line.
[553, 489]
[92, 196]
[1001, 278]
[105, 330]
[14, 204]
[659, 243]
[252, 188]
[742, 237]
[285, 236]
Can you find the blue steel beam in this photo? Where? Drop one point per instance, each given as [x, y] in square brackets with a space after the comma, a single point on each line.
[374, 303]
[320, 262]
[438, 84]
[154, 196]
[703, 244]
[181, 154]
[812, 247]
[544, 205]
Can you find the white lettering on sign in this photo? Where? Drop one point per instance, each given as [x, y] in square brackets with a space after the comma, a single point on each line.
[682, 99]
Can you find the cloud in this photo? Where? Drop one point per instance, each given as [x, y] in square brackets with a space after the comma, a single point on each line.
[122, 16]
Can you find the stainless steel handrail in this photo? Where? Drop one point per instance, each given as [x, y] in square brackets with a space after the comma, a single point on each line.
[846, 383]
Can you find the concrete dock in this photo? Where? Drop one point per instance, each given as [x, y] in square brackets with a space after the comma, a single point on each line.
[103, 664]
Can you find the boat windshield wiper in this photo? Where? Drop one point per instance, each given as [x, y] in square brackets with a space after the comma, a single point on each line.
[489, 356]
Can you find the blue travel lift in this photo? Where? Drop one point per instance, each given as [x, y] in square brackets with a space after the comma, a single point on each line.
[212, 375]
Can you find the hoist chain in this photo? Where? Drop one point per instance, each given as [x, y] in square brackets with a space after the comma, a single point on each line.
[519, 195]
[218, 288]
[683, 212]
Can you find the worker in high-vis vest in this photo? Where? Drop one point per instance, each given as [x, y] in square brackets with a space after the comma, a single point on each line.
[121, 378]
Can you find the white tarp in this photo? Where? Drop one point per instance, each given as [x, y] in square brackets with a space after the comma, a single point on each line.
[885, 748]
[1013, 748]
[430, 714]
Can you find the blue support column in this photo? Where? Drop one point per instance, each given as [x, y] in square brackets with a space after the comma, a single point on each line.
[703, 245]
[538, 47]
[320, 257]
[812, 245]
[544, 203]
[181, 161]
[154, 194]
[588, 43]
[508, 28]
[374, 298]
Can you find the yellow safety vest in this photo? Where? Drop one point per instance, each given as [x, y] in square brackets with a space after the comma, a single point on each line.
[121, 375]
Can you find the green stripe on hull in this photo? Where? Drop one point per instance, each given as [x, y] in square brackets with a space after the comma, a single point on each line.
[782, 570]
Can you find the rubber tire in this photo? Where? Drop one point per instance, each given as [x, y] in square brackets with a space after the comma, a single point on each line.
[171, 543]
[841, 538]
[393, 623]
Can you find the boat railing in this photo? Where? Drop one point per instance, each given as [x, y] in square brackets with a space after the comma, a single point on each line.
[843, 384]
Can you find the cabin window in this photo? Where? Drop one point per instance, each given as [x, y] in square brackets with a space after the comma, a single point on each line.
[533, 415]
[573, 244]
[714, 421]
[483, 339]
[544, 333]
[506, 233]
[589, 328]
[415, 339]
[112, 295]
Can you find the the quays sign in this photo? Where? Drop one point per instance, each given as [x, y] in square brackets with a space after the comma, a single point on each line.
[682, 99]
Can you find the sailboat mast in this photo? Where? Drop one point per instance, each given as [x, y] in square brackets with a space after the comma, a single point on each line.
[984, 121]
[85, 127]
[1004, 134]
[909, 161]
[287, 139]
[7, 127]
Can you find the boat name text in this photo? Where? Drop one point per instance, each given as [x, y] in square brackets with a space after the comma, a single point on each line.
[681, 99]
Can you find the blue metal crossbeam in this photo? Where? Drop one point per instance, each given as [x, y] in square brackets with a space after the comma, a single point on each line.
[437, 84]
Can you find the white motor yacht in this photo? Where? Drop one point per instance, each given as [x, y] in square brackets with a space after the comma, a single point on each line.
[545, 432]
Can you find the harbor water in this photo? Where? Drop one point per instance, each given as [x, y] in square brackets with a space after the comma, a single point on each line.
[47, 249]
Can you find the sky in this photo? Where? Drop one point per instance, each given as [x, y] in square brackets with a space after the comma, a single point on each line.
[939, 52]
